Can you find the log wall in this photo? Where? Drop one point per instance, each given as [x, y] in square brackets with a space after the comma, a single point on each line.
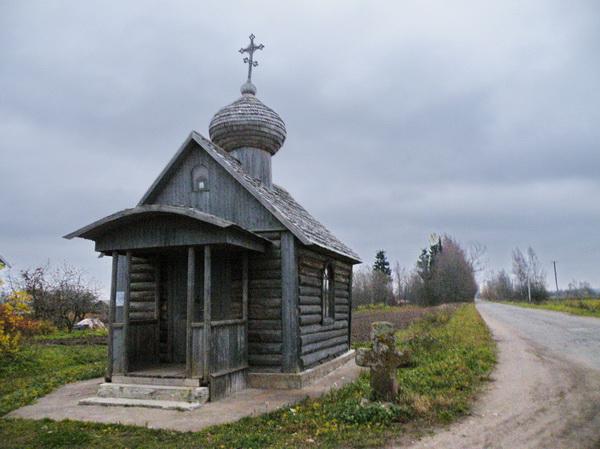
[264, 307]
[321, 341]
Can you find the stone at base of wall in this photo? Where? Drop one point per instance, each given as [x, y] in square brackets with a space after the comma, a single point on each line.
[291, 381]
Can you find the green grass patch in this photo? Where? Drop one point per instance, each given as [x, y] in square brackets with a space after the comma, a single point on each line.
[379, 307]
[453, 353]
[38, 369]
[73, 335]
[581, 307]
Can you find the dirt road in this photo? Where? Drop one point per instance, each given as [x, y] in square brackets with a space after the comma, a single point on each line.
[546, 388]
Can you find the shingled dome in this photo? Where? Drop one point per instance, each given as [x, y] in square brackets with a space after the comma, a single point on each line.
[248, 123]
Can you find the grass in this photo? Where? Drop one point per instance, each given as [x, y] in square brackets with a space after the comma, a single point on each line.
[380, 307]
[581, 307]
[453, 354]
[75, 334]
[38, 369]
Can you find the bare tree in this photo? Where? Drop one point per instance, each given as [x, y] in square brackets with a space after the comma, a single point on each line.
[476, 252]
[499, 288]
[62, 295]
[530, 277]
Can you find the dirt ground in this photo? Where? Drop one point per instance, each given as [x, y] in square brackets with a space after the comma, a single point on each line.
[538, 399]
[401, 317]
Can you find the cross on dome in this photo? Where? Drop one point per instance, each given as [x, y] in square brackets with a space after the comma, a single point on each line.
[250, 49]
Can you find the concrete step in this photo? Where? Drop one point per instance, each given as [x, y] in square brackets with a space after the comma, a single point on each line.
[124, 402]
[154, 380]
[153, 392]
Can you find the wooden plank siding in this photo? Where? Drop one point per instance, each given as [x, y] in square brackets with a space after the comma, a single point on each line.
[225, 197]
[320, 342]
[264, 307]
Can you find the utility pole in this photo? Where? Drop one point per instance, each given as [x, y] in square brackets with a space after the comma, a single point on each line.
[555, 277]
[528, 288]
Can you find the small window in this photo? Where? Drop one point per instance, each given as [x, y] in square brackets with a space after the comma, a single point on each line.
[328, 295]
[200, 178]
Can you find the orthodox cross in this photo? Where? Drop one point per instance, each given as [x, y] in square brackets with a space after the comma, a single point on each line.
[250, 49]
[384, 360]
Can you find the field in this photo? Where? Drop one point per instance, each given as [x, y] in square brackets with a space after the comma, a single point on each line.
[581, 307]
[453, 353]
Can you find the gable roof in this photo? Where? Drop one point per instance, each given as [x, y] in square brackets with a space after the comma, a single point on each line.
[276, 199]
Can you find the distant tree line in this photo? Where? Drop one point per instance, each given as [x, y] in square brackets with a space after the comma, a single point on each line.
[527, 281]
[444, 272]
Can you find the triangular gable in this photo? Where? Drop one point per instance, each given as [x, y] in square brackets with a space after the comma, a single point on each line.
[276, 200]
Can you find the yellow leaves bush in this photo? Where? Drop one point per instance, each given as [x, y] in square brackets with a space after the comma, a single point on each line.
[13, 317]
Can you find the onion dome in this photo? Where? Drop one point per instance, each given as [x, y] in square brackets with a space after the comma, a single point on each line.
[248, 123]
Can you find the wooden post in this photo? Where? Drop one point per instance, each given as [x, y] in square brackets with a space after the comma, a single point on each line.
[350, 308]
[245, 300]
[207, 299]
[126, 313]
[289, 304]
[112, 314]
[191, 284]
[157, 307]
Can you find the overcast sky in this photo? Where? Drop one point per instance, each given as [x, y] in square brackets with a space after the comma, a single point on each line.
[477, 119]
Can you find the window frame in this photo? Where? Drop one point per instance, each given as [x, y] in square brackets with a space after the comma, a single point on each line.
[328, 297]
[200, 173]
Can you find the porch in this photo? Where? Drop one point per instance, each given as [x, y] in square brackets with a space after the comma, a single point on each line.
[178, 311]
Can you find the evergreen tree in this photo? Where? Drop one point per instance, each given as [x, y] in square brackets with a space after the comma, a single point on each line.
[381, 263]
[382, 279]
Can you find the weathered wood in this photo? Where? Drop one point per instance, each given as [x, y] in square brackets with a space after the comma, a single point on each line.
[309, 291]
[265, 359]
[310, 329]
[228, 322]
[112, 310]
[265, 335]
[310, 319]
[310, 281]
[350, 310]
[312, 309]
[320, 345]
[126, 300]
[289, 303]
[265, 348]
[310, 359]
[142, 286]
[323, 335]
[245, 282]
[142, 268]
[191, 278]
[267, 313]
[157, 290]
[142, 307]
[275, 293]
[264, 324]
[142, 296]
[207, 310]
[342, 293]
[310, 300]
[142, 277]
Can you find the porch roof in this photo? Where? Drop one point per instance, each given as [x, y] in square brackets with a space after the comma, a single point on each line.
[161, 226]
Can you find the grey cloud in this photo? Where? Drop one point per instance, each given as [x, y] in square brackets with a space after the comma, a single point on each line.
[474, 118]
